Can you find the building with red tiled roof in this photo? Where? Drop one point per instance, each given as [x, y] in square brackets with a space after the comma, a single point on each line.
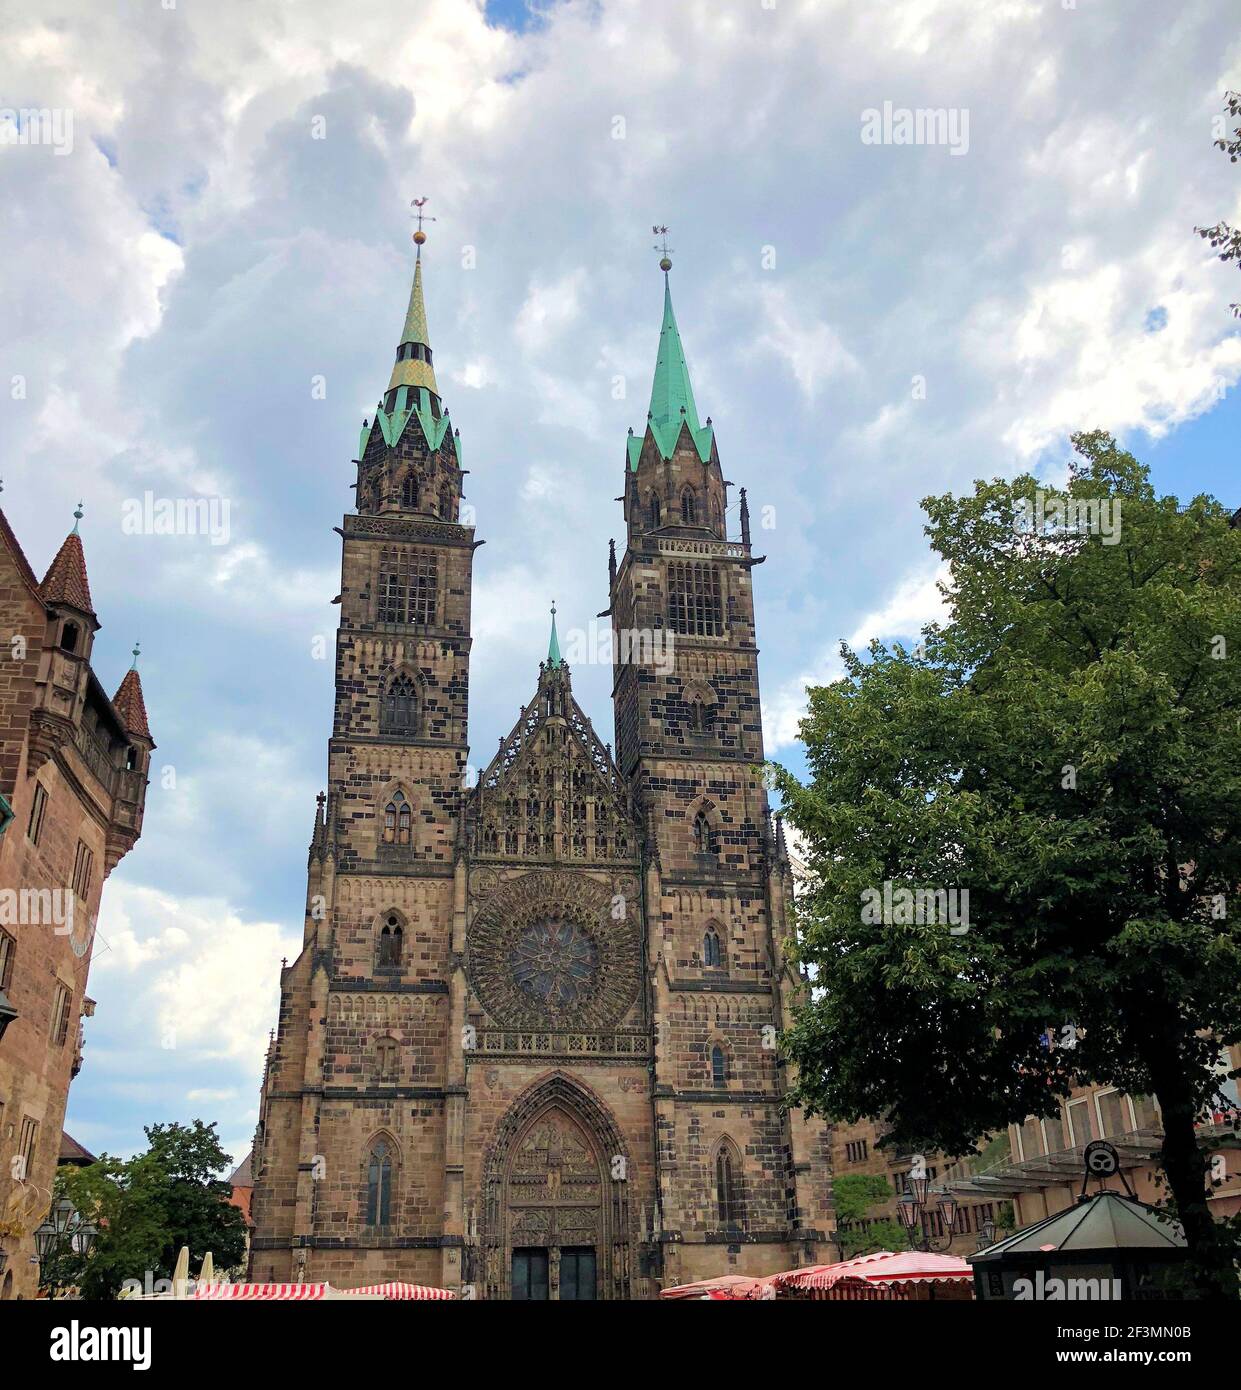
[73, 779]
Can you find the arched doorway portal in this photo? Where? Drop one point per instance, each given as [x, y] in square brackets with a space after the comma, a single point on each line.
[556, 1209]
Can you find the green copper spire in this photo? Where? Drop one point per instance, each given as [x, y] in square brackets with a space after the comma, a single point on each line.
[672, 395]
[414, 370]
[554, 658]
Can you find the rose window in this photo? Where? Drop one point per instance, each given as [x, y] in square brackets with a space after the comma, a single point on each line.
[555, 963]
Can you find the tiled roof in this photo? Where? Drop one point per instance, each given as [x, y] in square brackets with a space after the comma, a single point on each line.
[65, 580]
[131, 707]
[72, 1152]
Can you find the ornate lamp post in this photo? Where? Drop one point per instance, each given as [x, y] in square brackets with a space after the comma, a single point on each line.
[915, 1209]
[986, 1234]
[62, 1229]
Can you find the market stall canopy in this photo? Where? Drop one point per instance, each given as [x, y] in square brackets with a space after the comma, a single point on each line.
[402, 1292]
[725, 1286]
[1108, 1221]
[881, 1270]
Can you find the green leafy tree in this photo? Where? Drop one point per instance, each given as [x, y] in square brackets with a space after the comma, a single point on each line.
[195, 1201]
[854, 1195]
[1066, 747]
[146, 1208]
[122, 1200]
[1224, 238]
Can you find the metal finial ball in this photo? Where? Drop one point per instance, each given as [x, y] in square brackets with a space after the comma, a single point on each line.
[419, 238]
[665, 264]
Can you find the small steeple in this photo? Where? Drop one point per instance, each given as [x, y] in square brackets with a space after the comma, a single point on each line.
[554, 658]
[129, 704]
[65, 581]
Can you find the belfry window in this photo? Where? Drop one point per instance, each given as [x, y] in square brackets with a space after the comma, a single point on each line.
[694, 608]
[689, 507]
[728, 1205]
[719, 1066]
[386, 1054]
[406, 590]
[397, 821]
[399, 711]
[655, 510]
[391, 938]
[409, 493]
[712, 954]
[379, 1185]
[702, 834]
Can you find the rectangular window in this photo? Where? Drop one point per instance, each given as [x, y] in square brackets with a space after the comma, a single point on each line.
[1113, 1114]
[8, 953]
[60, 1015]
[1053, 1128]
[83, 871]
[26, 1145]
[37, 809]
[694, 608]
[1146, 1114]
[1081, 1126]
[856, 1150]
[530, 1281]
[1031, 1137]
[407, 588]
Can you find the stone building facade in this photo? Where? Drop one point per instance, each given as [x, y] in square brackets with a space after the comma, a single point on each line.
[528, 1049]
[73, 778]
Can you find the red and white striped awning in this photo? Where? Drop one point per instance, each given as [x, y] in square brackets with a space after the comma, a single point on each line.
[398, 1290]
[302, 1292]
[262, 1292]
[881, 1269]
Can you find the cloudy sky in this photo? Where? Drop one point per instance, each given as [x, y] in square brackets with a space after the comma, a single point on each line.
[228, 222]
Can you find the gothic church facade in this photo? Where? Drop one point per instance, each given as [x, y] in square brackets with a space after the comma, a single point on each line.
[528, 1048]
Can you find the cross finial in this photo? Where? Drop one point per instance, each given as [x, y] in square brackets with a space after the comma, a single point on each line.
[665, 263]
[420, 236]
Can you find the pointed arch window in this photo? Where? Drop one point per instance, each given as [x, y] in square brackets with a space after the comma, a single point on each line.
[397, 821]
[409, 493]
[379, 1184]
[702, 833]
[386, 1053]
[719, 1066]
[655, 509]
[689, 507]
[391, 939]
[445, 504]
[712, 951]
[727, 1192]
[399, 712]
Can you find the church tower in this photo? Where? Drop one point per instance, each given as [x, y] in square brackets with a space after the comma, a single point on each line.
[742, 1187]
[527, 1050]
[362, 1092]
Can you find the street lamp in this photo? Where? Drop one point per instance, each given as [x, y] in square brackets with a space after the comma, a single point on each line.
[60, 1227]
[916, 1207]
[986, 1234]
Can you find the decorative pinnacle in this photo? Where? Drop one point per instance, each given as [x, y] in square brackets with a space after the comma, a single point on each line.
[77, 516]
[665, 264]
[137, 654]
[420, 236]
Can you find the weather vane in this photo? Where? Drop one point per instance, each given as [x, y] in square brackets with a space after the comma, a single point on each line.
[420, 236]
[664, 263]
